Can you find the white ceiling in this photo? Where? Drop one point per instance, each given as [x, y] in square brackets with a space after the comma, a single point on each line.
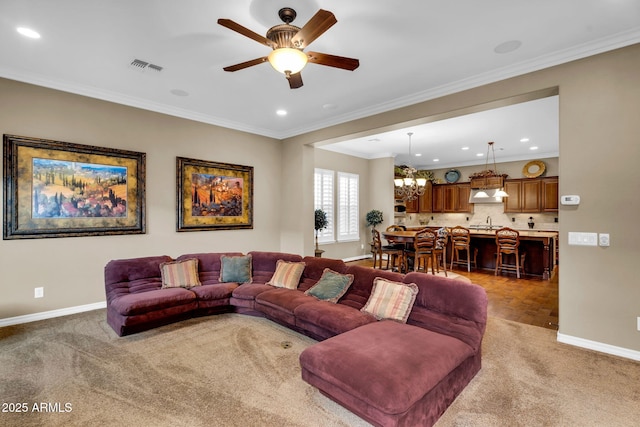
[524, 131]
[409, 51]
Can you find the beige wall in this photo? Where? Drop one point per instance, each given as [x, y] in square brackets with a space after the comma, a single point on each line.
[71, 269]
[599, 152]
[599, 105]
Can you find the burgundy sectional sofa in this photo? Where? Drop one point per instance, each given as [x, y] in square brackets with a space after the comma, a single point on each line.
[387, 372]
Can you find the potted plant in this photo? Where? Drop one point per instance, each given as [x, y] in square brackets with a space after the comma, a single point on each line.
[321, 222]
[374, 217]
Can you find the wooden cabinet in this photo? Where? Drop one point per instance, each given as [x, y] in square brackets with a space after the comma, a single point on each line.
[530, 195]
[550, 194]
[422, 203]
[412, 206]
[464, 192]
[451, 198]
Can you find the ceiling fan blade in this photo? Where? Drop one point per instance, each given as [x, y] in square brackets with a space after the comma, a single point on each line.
[333, 60]
[246, 32]
[295, 80]
[318, 24]
[247, 64]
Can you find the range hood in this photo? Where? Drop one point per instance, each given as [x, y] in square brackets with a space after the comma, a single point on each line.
[491, 199]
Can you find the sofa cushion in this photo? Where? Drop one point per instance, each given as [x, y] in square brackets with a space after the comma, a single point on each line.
[279, 304]
[391, 300]
[235, 269]
[331, 286]
[145, 302]
[287, 274]
[314, 268]
[390, 365]
[180, 274]
[360, 290]
[323, 319]
[209, 265]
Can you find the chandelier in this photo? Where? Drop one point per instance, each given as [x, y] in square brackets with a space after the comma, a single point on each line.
[409, 187]
[487, 173]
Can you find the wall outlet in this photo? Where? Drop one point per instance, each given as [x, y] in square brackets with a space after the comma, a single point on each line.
[603, 239]
[38, 292]
[638, 324]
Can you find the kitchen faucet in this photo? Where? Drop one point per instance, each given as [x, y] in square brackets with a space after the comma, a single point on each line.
[490, 222]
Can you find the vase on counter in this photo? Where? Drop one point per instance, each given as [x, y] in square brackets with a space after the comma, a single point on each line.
[531, 223]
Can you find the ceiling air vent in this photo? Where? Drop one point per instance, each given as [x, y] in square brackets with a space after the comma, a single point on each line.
[141, 65]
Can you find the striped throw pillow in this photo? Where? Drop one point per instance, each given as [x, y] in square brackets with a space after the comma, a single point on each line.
[180, 274]
[287, 274]
[391, 300]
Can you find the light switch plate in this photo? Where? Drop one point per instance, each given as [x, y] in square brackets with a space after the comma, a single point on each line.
[603, 239]
[583, 239]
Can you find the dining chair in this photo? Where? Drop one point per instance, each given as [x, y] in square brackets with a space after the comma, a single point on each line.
[394, 254]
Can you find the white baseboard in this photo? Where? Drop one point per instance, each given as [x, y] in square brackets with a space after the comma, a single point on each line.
[356, 258]
[51, 314]
[598, 346]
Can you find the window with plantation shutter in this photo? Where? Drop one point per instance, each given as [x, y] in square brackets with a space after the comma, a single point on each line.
[323, 199]
[348, 224]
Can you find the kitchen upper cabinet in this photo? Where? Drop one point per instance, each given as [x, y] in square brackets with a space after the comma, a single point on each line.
[451, 198]
[550, 194]
[421, 203]
[530, 195]
[424, 201]
[412, 206]
[464, 192]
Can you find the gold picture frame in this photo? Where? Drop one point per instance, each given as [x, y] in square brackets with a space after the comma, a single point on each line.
[62, 189]
[213, 195]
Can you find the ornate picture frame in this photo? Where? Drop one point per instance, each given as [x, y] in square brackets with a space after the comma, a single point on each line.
[62, 189]
[213, 195]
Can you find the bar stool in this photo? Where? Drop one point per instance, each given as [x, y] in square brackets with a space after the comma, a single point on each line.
[440, 251]
[393, 253]
[507, 242]
[461, 241]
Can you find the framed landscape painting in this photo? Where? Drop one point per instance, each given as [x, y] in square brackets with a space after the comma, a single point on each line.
[213, 196]
[61, 189]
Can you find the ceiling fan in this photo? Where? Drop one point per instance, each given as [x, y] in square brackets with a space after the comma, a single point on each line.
[288, 42]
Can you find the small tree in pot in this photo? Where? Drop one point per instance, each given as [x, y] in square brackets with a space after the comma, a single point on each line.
[374, 217]
[321, 222]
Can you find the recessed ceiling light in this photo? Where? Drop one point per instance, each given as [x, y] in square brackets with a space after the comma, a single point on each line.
[508, 46]
[524, 140]
[533, 148]
[179, 92]
[436, 160]
[464, 148]
[418, 154]
[479, 155]
[28, 32]
[329, 106]
[281, 113]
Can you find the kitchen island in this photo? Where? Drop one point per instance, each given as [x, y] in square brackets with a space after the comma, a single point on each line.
[539, 246]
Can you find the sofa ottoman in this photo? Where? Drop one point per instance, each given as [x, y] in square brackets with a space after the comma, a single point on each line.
[395, 374]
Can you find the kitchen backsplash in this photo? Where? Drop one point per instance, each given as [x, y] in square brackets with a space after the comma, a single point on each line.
[518, 221]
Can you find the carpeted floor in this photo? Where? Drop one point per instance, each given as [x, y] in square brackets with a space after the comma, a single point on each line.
[233, 370]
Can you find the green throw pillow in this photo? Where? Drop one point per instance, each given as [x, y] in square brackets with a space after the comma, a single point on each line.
[235, 269]
[331, 286]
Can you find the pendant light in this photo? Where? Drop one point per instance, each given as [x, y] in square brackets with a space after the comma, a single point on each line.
[409, 187]
[500, 191]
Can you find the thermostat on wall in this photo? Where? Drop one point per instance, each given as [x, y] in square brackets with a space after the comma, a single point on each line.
[570, 200]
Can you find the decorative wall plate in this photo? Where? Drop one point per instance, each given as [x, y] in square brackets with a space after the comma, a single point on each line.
[452, 175]
[534, 169]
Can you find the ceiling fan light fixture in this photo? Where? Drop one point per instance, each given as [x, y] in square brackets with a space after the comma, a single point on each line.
[288, 60]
